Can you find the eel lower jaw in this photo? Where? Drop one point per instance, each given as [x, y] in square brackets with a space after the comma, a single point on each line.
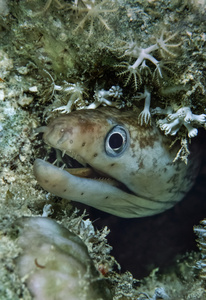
[83, 170]
[90, 173]
[45, 172]
[98, 193]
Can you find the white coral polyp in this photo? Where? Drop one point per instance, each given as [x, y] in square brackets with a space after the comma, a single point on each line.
[183, 116]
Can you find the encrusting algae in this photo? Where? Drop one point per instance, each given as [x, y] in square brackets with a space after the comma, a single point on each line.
[145, 59]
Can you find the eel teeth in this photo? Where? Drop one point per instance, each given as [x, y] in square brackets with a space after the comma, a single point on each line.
[63, 166]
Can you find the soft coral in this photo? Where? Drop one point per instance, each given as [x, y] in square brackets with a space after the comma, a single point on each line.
[174, 120]
[91, 11]
[146, 54]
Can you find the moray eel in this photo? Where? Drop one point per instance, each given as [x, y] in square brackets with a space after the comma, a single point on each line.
[138, 162]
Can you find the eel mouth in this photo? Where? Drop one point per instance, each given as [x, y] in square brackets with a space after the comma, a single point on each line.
[75, 167]
[90, 173]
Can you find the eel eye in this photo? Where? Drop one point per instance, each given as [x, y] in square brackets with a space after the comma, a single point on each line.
[116, 141]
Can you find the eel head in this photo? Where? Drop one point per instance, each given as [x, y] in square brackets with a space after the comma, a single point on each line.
[137, 162]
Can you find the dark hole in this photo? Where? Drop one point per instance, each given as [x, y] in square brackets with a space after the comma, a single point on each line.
[115, 141]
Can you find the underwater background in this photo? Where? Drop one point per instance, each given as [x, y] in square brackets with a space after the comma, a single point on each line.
[55, 57]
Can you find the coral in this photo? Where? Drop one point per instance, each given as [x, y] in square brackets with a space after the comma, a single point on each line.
[159, 294]
[132, 74]
[98, 250]
[145, 116]
[174, 120]
[124, 289]
[47, 5]
[76, 100]
[184, 152]
[91, 10]
[142, 54]
[47, 210]
[103, 97]
[76, 92]
[164, 47]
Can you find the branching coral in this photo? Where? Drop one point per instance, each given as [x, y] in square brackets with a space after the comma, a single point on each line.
[183, 152]
[86, 11]
[131, 73]
[145, 116]
[164, 47]
[47, 210]
[174, 120]
[145, 54]
[104, 97]
[76, 92]
[91, 10]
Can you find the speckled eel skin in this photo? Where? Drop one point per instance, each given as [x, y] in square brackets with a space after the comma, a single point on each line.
[143, 180]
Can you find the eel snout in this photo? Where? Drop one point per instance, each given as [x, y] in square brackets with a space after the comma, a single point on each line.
[50, 177]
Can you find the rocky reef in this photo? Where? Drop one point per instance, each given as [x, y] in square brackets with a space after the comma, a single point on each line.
[57, 56]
